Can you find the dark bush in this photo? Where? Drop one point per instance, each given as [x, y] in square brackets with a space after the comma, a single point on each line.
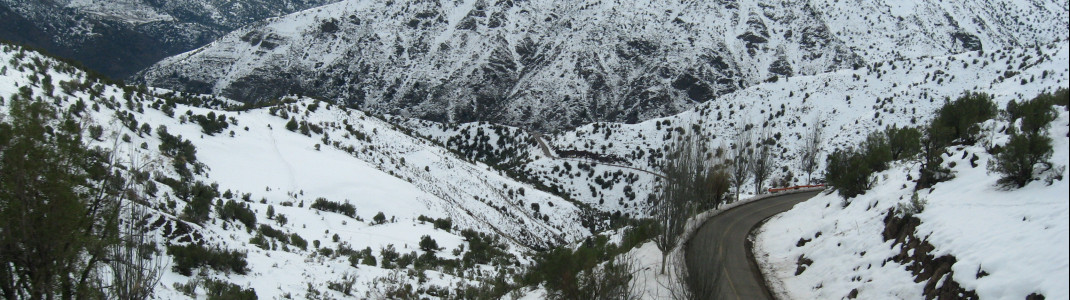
[192, 256]
[932, 150]
[270, 232]
[960, 117]
[291, 125]
[233, 210]
[175, 146]
[222, 290]
[1035, 113]
[903, 142]
[211, 124]
[444, 224]
[1018, 160]
[428, 244]
[848, 172]
[1062, 97]
[389, 255]
[297, 241]
[482, 248]
[877, 151]
[199, 197]
[346, 209]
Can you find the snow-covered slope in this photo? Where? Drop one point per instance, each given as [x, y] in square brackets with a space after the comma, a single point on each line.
[347, 156]
[605, 165]
[550, 65]
[120, 37]
[972, 236]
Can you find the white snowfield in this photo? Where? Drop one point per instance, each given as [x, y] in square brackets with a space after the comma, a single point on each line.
[1018, 238]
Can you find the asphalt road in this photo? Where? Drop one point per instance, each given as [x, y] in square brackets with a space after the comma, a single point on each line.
[718, 257]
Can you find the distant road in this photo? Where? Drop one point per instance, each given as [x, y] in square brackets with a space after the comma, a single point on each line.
[718, 257]
[546, 151]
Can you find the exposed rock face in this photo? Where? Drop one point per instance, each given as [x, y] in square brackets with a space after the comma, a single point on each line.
[120, 37]
[551, 65]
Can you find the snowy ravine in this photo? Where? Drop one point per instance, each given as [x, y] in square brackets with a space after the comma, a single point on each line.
[350, 157]
[551, 65]
[1007, 243]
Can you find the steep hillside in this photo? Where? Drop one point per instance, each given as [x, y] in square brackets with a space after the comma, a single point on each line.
[971, 237]
[547, 65]
[120, 37]
[306, 192]
[612, 166]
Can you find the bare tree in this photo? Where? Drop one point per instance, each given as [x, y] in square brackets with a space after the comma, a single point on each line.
[811, 149]
[611, 281]
[762, 163]
[679, 193]
[134, 264]
[739, 157]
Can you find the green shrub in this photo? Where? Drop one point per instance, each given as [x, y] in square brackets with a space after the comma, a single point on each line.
[428, 244]
[379, 218]
[298, 241]
[291, 125]
[903, 142]
[1062, 97]
[176, 146]
[848, 172]
[270, 232]
[405, 260]
[482, 248]
[367, 257]
[260, 242]
[236, 211]
[960, 117]
[346, 209]
[222, 290]
[1017, 161]
[211, 124]
[389, 255]
[199, 197]
[877, 151]
[192, 256]
[932, 170]
[1035, 113]
[955, 123]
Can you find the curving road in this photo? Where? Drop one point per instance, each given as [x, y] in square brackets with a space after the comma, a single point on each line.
[719, 257]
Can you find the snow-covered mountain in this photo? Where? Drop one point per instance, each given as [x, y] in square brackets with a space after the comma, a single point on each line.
[609, 165]
[255, 158]
[549, 65]
[120, 37]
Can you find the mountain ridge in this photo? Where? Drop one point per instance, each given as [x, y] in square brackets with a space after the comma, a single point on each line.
[550, 66]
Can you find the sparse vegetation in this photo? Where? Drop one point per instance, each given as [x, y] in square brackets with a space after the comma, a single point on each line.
[346, 208]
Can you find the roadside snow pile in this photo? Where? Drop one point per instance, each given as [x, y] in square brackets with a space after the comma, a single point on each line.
[995, 242]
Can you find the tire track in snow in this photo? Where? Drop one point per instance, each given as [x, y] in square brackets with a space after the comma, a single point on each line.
[282, 158]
